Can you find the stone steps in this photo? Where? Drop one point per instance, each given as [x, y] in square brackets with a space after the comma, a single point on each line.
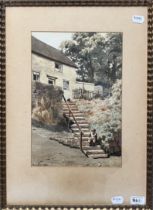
[97, 147]
[82, 128]
[96, 156]
[75, 114]
[73, 111]
[100, 151]
[84, 134]
[69, 103]
[72, 108]
[81, 125]
[82, 122]
[91, 151]
[78, 118]
[85, 138]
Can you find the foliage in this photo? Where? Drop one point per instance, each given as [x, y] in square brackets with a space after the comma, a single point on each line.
[104, 115]
[112, 126]
[97, 55]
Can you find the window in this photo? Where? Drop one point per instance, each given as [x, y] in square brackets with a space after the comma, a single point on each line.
[65, 85]
[36, 76]
[58, 67]
[51, 82]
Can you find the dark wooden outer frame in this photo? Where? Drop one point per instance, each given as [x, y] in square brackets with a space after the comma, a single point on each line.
[49, 3]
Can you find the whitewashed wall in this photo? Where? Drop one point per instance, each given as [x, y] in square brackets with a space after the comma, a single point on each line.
[85, 85]
[47, 67]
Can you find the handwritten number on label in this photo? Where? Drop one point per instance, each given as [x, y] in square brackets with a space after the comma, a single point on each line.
[138, 19]
[137, 200]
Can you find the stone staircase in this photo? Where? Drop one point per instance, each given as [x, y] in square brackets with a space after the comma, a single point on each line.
[90, 151]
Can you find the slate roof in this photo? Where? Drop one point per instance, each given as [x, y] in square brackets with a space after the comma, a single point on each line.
[47, 51]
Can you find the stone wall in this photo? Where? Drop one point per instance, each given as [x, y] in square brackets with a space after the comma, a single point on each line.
[46, 103]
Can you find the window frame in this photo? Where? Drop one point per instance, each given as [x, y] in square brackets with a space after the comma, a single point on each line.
[36, 73]
[58, 69]
[68, 84]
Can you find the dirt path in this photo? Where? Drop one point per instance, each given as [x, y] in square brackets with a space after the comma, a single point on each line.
[46, 152]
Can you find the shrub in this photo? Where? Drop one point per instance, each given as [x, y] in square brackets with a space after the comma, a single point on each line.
[108, 123]
[105, 116]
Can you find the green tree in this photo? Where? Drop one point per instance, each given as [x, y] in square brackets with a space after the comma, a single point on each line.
[97, 55]
[114, 56]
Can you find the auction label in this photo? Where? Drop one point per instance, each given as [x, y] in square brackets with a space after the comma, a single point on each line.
[137, 200]
[138, 19]
[117, 200]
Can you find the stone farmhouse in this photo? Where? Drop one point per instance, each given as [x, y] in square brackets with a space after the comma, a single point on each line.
[51, 66]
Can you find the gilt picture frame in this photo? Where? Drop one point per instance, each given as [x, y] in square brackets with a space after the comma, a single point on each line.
[30, 161]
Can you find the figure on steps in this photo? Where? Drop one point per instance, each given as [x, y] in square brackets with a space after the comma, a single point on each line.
[93, 138]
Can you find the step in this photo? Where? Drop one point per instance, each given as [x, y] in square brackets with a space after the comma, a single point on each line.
[98, 147]
[71, 106]
[82, 121]
[75, 112]
[75, 143]
[80, 118]
[85, 134]
[100, 151]
[72, 110]
[77, 129]
[76, 117]
[81, 125]
[96, 156]
[85, 129]
[70, 103]
[83, 138]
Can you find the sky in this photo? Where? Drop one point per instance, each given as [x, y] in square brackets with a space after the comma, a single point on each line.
[52, 38]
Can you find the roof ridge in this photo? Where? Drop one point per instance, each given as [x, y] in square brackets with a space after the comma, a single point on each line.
[64, 59]
[47, 44]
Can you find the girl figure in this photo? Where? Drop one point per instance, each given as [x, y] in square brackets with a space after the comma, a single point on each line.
[93, 138]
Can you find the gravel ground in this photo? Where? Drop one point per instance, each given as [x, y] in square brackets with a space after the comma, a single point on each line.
[46, 152]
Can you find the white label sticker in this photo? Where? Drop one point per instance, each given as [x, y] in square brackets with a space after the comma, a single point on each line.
[138, 19]
[117, 200]
[137, 200]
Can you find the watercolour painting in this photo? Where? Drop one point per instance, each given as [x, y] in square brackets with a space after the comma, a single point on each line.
[76, 99]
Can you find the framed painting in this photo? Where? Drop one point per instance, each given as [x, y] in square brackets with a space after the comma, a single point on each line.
[76, 104]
